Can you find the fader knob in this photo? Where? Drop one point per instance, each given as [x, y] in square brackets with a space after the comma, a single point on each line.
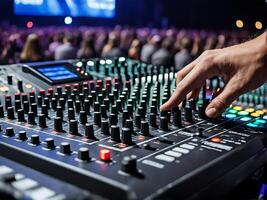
[65, 148]
[21, 117]
[83, 154]
[128, 164]
[126, 136]
[20, 85]
[113, 119]
[10, 113]
[42, 121]
[9, 132]
[97, 118]
[153, 120]
[201, 112]
[83, 117]
[22, 135]
[188, 114]
[49, 143]
[164, 123]
[115, 133]
[58, 124]
[145, 128]
[35, 139]
[73, 127]
[89, 131]
[105, 127]
[31, 118]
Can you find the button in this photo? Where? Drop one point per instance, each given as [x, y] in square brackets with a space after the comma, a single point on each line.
[83, 154]
[230, 116]
[41, 193]
[22, 135]
[128, 164]
[65, 148]
[181, 150]
[104, 155]
[165, 158]
[5, 170]
[216, 139]
[187, 146]
[49, 143]
[35, 139]
[24, 184]
[173, 154]
[243, 113]
[238, 108]
[9, 131]
[153, 164]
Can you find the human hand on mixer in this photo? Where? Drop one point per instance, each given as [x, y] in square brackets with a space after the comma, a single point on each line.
[243, 68]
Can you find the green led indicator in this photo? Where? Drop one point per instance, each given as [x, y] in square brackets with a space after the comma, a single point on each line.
[243, 113]
[252, 125]
[232, 111]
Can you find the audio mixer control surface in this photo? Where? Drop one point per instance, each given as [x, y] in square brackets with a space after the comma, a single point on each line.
[92, 129]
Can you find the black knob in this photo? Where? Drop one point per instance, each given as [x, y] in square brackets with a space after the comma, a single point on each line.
[129, 124]
[26, 106]
[188, 114]
[65, 148]
[77, 106]
[2, 113]
[49, 143]
[96, 107]
[10, 113]
[128, 164]
[83, 154]
[87, 106]
[9, 132]
[31, 118]
[153, 120]
[83, 117]
[71, 114]
[21, 117]
[145, 128]
[44, 110]
[115, 133]
[70, 103]
[113, 119]
[137, 120]
[58, 124]
[105, 127]
[126, 136]
[42, 121]
[34, 109]
[97, 118]
[20, 85]
[59, 112]
[17, 105]
[35, 139]
[73, 127]
[201, 111]
[125, 116]
[103, 111]
[89, 131]
[164, 123]
[9, 79]
[177, 121]
[22, 135]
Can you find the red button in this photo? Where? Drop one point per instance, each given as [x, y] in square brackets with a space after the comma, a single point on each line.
[216, 139]
[104, 154]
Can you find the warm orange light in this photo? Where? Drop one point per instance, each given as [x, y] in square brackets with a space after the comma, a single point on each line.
[258, 25]
[239, 23]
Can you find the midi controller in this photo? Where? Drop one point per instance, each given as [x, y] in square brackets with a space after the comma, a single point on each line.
[92, 129]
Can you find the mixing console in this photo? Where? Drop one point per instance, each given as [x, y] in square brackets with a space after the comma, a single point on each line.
[95, 125]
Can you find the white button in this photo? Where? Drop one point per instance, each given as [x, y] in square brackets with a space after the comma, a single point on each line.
[5, 170]
[19, 176]
[165, 158]
[153, 164]
[173, 153]
[24, 184]
[181, 150]
[41, 193]
[58, 197]
[187, 146]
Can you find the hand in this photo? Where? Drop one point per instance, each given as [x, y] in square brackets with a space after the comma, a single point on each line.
[243, 68]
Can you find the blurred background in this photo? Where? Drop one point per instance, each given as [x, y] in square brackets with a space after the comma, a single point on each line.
[161, 32]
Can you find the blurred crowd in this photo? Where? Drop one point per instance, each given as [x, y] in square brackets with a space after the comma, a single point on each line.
[155, 46]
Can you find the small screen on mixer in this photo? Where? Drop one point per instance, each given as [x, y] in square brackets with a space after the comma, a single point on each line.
[56, 73]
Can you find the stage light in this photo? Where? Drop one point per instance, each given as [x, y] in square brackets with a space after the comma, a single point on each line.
[29, 24]
[68, 20]
[239, 23]
[258, 25]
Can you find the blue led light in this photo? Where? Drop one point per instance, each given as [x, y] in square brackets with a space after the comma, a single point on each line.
[245, 119]
[230, 116]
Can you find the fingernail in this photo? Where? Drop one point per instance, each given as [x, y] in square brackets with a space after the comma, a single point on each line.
[211, 112]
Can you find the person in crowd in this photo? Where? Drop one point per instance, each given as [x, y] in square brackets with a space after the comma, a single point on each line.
[67, 50]
[112, 49]
[164, 56]
[184, 56]
[32, 51]
[87, 49]
[150, 48]
[135, 50]
[57, 41]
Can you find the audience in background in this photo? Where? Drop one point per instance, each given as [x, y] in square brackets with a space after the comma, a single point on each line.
[184, 56]
[156, 46]
[32, 51]
[67, 50]
[164, 56]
